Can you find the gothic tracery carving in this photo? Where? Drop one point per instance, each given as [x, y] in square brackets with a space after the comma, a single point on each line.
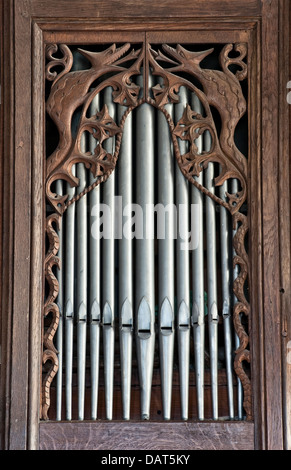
[220, 89]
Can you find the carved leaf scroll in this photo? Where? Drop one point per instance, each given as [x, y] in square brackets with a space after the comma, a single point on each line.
[53, 222]
[116, 67]
[72, 90]
[222, 90]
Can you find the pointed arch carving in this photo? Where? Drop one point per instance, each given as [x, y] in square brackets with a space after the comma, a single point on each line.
[119, 66]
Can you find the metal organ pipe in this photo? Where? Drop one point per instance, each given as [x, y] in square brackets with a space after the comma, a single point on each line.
[145, 262]
[125, 178]
[226, 258]
[182, 269]
[81, 286]
[94, 289]
[108, 275]
[88, 289]
[166, 259]
[212, 280]
[69, 295]
[198, 313]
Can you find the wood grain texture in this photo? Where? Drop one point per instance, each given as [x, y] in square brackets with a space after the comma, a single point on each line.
[146, 436]
[157, 31]
[37, 234]
[7, 220]
[270, 197]
[255, 243]
[22, 223]
[144, 8]
[284, 215]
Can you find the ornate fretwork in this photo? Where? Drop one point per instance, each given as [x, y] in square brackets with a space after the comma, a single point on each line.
[72, 90]
[117, 67]
[50, 309]
[222, 90]
[242, 307]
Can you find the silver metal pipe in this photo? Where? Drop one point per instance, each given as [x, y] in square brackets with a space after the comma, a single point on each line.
[234, 189]
[108, 275]
[94, 289]
[70, 271]
[145, 263]
[166, 217]
[94, 354]
[60, 300]
[183, 327]
[126, 334]
[226, 301]
[81, 286]
[108, 345]
[182, 270]
[198, 313]
[212, 281]
[69, 220]
[125, 174]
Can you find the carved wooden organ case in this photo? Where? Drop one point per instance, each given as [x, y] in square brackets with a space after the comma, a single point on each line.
[147, 69]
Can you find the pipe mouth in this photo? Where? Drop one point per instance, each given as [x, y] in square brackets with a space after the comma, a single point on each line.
[96, 321]
[126, 328]
[166, 330]
[107, 326]
[184, 327]
[144, 334]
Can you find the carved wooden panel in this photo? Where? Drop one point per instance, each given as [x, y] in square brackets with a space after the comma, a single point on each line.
[220, 89]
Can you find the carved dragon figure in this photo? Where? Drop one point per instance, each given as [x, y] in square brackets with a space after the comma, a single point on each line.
[71, 91]
[222, 90]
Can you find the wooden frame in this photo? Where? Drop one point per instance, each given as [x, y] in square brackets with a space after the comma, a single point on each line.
[25, 24]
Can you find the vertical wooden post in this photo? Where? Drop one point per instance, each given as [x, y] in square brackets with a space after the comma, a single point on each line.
[270, 225]
[7, 213]
[284, 212]
[22, 236]
[37, 235]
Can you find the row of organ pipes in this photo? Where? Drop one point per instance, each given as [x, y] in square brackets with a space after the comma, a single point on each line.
[87, 282]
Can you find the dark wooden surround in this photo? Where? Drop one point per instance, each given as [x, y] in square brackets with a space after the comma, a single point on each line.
[26, 26]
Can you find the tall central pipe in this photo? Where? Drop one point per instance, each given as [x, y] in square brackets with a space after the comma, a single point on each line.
[145, 260]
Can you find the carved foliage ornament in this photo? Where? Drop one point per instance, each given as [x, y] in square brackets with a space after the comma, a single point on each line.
[117, 67]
